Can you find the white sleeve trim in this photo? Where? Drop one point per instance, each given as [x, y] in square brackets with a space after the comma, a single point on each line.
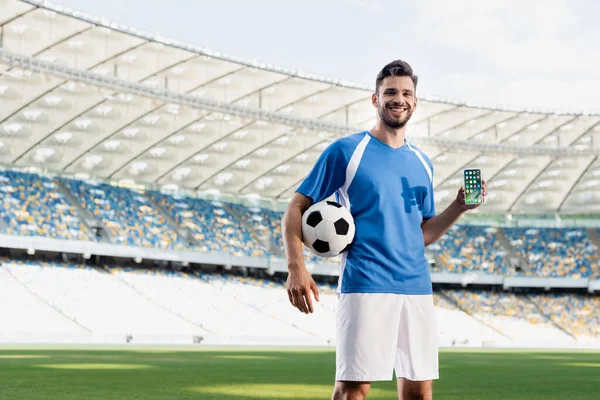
[427, 168]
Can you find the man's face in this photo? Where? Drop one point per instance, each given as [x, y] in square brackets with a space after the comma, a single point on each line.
[395, 101]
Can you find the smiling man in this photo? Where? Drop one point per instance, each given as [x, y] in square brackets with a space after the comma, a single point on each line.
[385, 318]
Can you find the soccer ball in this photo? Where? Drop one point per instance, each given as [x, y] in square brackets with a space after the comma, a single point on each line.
[327, 228]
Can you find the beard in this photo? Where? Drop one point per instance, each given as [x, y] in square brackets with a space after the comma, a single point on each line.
[394, 123]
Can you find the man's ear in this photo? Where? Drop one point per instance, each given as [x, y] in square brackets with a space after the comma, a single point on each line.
[374, 100]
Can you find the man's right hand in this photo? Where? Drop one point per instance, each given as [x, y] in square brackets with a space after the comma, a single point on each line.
[299, 285]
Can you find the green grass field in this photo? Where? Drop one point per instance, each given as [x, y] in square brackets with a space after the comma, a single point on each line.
[148, 373]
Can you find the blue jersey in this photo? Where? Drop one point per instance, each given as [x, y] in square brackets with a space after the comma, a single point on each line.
[389, 193]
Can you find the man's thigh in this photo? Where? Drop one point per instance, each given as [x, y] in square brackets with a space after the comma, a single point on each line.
[417, 354]
[367, 336]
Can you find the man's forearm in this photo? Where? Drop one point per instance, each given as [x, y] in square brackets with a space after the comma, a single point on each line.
[291, 231]
[434, 228]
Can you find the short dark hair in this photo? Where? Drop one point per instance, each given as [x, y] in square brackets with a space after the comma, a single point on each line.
[396, 68]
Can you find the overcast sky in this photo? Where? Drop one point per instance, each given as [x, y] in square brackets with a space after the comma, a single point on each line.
[525, 53]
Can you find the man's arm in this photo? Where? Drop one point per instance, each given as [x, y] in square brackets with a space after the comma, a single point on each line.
[434, 228]
[299, 282]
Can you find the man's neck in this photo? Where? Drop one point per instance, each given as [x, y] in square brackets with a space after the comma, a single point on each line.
[392, 137]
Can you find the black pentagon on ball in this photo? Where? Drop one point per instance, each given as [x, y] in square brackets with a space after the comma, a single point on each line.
[333, 203]
[314, 218]
[320, 246]
[341, 226]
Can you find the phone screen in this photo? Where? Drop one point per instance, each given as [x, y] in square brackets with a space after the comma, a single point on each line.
[473, 186]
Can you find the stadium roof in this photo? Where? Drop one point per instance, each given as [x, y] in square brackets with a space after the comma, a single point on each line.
[84, 96]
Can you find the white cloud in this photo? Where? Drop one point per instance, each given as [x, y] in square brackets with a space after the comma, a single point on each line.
[369, 5]
[536, 51]
[546, 94]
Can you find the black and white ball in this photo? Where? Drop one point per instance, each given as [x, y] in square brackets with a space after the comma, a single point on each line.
[327, 228]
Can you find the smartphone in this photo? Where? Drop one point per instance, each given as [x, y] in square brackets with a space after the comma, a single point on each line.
[473, 190]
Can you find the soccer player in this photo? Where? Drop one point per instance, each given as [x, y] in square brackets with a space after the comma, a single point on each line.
[385, 318]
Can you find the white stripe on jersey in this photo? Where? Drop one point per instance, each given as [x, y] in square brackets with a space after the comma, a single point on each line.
[343, 191]
[418, 153]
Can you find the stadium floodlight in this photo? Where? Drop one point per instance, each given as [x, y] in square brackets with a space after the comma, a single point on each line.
[63, 137]
[177, 140]
[83, 124]
[263, 152]
[69, 86]
[139, 166]
[112, 145]
[93, 159]
[32, 115]
[131, 132]
[263, 182]
[173, 108]
[197, 127]
[158, 151]
[53, 100]
[104, 110]
[182, 172]
[243, 163]
[19, 29]
[12, 129]
[45, 152]
[241, 134]
[126, 97]
[220, 146]
[283, 169]
[201, 157]
[151, 119]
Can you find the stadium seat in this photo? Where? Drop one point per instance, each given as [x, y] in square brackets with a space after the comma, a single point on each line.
[127, 215]
[33, 206]
[554, 252]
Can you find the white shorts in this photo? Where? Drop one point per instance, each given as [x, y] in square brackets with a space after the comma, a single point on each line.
[378, 333]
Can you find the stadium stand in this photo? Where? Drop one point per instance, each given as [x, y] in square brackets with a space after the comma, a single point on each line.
[203, 301]
[211, 225]
[471, 249]
[512, 315]
[127, 214]
[23, 313]
[48, 301]
[576, 314]
[96, 300]
[267, 226]
[32, 205]
[554, 252]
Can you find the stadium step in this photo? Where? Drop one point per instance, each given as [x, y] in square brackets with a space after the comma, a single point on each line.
[150, 300]
[546, 317]
[470, 314]
[593, 235]
[93, 224]
[512, 257]
[34, 294]
[185, 233]
[267, 244]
